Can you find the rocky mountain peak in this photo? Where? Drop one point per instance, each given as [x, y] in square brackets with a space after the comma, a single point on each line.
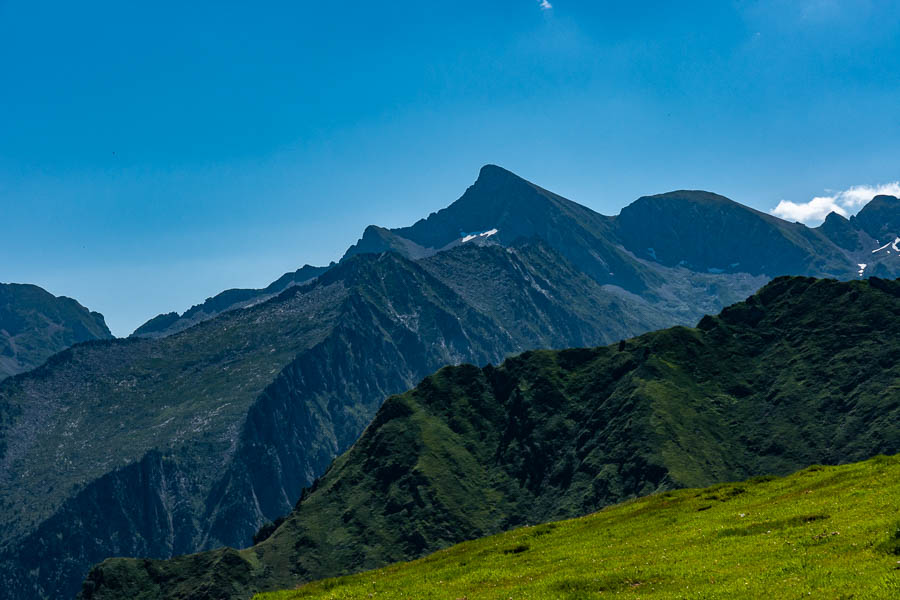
[840, 231]
[880, 218]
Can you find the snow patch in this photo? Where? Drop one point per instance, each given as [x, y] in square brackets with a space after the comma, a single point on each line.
[882, 248]
[894, 245]
[479, 234]
[862, 267]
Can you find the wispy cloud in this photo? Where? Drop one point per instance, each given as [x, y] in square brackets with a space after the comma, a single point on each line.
[545, 5]
[845, 203]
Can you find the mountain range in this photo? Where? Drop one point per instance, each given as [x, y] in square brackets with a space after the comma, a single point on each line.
[637, 250]
[204, 426]
[803, 372]
[35, 325]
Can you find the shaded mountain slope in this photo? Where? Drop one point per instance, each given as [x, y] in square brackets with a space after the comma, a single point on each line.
[708, 232]
[880, 218]
[803, 372]
[169, 323]
[655, 240]
[841, 231]
[157, 447]
[35, 324]
[549, 291]
[500, 200]
[653, 246]
[821, 532]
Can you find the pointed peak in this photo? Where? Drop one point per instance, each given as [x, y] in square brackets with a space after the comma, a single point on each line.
[376, 230]
[834, 218]
[493, 174]
[491, 169]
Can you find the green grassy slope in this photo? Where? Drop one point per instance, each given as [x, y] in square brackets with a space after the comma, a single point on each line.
[825, 532]
[803, 372]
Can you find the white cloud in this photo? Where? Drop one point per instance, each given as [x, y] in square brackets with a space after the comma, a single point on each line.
[545, 5]
[845, 203]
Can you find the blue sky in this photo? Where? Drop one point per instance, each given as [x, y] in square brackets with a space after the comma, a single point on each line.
[151, 156]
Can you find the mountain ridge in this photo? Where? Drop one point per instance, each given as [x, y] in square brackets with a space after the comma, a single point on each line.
[622, 250]
[551, 434]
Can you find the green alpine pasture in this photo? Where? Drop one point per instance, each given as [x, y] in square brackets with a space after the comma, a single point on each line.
[824, 532]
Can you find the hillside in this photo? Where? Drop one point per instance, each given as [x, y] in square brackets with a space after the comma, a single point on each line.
[35, 325]
[169, 323]
[163, 446]
[825, 532]
[803, 372]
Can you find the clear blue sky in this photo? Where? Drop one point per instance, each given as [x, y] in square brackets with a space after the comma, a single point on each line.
[153, 155]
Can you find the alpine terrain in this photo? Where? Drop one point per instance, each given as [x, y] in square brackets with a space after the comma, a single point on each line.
[803, 372]
[204, 426]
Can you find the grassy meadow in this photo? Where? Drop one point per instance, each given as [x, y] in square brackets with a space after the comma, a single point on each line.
[824, 532]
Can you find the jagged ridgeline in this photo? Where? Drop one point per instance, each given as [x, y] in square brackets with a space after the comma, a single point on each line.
[803, 372]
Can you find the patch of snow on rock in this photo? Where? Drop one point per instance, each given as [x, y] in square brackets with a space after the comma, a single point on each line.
[480, 234]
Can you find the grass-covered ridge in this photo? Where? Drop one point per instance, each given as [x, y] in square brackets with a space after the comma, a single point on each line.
[804, 372]
[824, 532]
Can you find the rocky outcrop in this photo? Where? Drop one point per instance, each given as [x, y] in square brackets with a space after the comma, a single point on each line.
[35, 325]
